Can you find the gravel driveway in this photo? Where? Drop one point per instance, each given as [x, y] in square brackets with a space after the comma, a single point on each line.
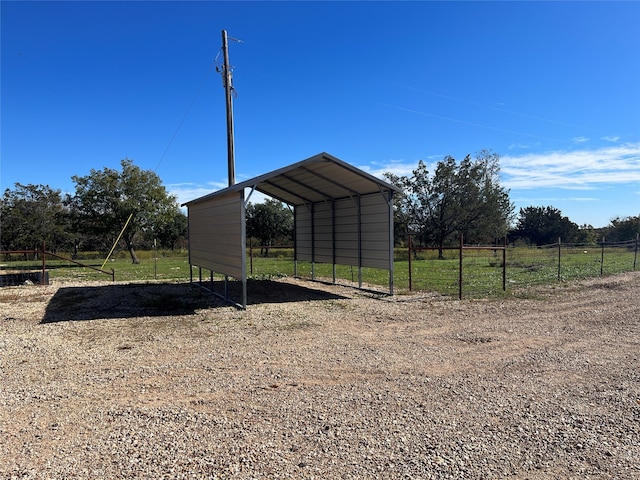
[158, 381]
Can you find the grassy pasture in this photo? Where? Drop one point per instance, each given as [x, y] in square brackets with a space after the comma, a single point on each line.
[482, 269]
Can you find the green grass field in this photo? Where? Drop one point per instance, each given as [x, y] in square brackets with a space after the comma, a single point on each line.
[165, 267]
[482, 269]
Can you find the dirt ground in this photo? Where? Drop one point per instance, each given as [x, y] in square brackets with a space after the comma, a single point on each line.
[103, 380]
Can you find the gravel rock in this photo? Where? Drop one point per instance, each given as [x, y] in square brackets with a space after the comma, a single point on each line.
[162, 381]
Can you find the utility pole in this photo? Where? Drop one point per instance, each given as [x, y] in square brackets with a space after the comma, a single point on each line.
[226, 80]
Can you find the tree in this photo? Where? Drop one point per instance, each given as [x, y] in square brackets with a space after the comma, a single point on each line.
[544, 225]
[623, 229]
[31, 214]
[587, 234]
[463, 198]
[173, 229]
[269, 221]
[489, 210]
[105, 200]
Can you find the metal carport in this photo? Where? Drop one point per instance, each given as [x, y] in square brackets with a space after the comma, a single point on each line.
[342, 215]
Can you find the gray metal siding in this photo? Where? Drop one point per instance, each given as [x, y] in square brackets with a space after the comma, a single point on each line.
[303, 233]
[375, 231]
[339, 229]
[323, 232]
[347, 231]
[216, 234]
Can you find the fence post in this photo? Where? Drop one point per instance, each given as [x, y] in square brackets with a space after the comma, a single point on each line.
[460, 272]
[602, 258]
[44, 265]
[504, 264]
[251, 255]
[559, 255]
[155, 259]
[410, 280]
[635, 254]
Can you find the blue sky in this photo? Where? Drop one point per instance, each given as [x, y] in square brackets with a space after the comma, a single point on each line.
[553, 87]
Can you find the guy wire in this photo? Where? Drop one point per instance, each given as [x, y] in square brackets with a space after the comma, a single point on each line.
[185, 115]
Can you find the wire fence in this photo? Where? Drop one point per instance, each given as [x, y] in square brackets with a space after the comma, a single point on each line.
[463, 270]
[19, 266]
[477, 270]
[459, 270]
[568, 261]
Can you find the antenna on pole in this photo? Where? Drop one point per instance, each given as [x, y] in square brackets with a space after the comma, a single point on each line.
[226, 80]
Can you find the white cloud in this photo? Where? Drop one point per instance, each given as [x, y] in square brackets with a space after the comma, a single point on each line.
[583, 199]
[190, 191]
[580, 139]
[397, 167]
[523, 146]
[578, 169]
[611, 138]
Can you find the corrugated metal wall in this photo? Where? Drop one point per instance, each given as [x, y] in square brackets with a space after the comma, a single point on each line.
[377, 234]
[216, 234]
[333, 231]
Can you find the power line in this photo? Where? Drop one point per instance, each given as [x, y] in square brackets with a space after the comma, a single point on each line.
[185, 114]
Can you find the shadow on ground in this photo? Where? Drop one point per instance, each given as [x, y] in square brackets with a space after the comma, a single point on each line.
[158, 300]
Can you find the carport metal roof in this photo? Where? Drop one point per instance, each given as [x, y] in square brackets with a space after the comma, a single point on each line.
[322, 177]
